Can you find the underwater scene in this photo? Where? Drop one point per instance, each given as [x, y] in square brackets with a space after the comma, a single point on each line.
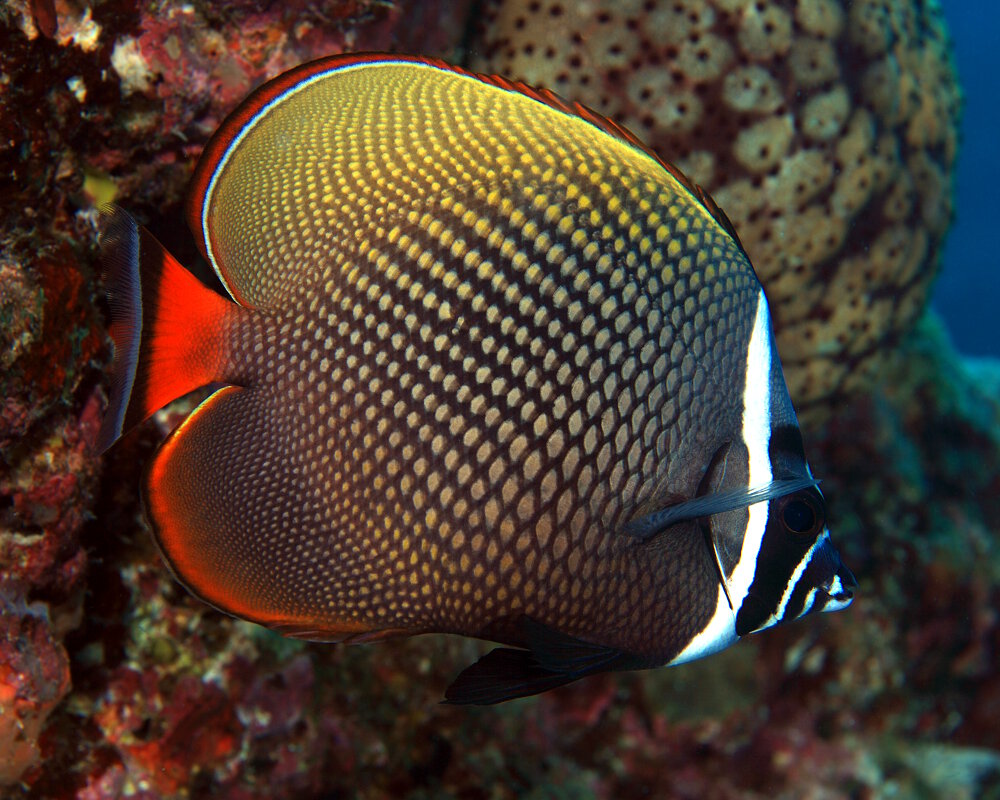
[397, 399]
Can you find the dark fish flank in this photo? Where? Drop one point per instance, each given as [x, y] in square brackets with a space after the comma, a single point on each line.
[484, 334]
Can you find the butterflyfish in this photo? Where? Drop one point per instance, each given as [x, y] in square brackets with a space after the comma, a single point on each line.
[487, 366]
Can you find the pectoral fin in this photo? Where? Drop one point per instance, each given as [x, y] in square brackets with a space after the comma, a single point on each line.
[648, 526]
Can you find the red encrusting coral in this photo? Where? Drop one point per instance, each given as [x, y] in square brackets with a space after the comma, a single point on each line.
[34, 677]
[160, 734]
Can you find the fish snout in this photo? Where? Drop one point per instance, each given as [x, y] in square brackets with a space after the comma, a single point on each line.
[839, 590]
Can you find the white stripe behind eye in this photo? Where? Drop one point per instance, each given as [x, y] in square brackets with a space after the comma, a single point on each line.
[720, 631]
[757, 437]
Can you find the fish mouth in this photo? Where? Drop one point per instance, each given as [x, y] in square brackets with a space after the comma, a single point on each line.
[839, 592]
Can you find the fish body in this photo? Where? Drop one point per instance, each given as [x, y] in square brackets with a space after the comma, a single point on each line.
[489, 367]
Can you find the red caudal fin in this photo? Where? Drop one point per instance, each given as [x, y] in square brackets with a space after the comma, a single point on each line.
[167, 327]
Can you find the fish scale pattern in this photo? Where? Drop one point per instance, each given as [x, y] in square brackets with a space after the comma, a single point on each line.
[485, 334]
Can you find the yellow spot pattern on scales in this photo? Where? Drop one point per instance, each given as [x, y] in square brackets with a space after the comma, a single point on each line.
[482, 333]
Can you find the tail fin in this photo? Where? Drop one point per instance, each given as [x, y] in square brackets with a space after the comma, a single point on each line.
[168, 328]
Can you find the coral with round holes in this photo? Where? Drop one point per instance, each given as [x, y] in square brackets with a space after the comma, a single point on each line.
[804, 120]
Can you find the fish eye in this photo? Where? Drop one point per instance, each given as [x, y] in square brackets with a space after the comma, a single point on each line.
[801, 514]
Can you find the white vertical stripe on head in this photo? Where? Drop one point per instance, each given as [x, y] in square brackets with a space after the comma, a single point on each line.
[757, 438]
[718, 634]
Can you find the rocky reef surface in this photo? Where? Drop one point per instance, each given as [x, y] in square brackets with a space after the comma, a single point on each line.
[115, 683]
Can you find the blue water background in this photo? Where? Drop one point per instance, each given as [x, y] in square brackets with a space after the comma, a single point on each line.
[967, 293]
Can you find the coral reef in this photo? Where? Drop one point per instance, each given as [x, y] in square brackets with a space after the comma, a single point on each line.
[48, 340]
[826, 130]
[34, 677]
[111, 99]
[115, 683]
[119, 100]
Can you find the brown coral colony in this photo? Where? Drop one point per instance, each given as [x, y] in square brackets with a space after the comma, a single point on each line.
[827, 131]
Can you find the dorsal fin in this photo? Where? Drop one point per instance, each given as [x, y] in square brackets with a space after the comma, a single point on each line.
[260, 98]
